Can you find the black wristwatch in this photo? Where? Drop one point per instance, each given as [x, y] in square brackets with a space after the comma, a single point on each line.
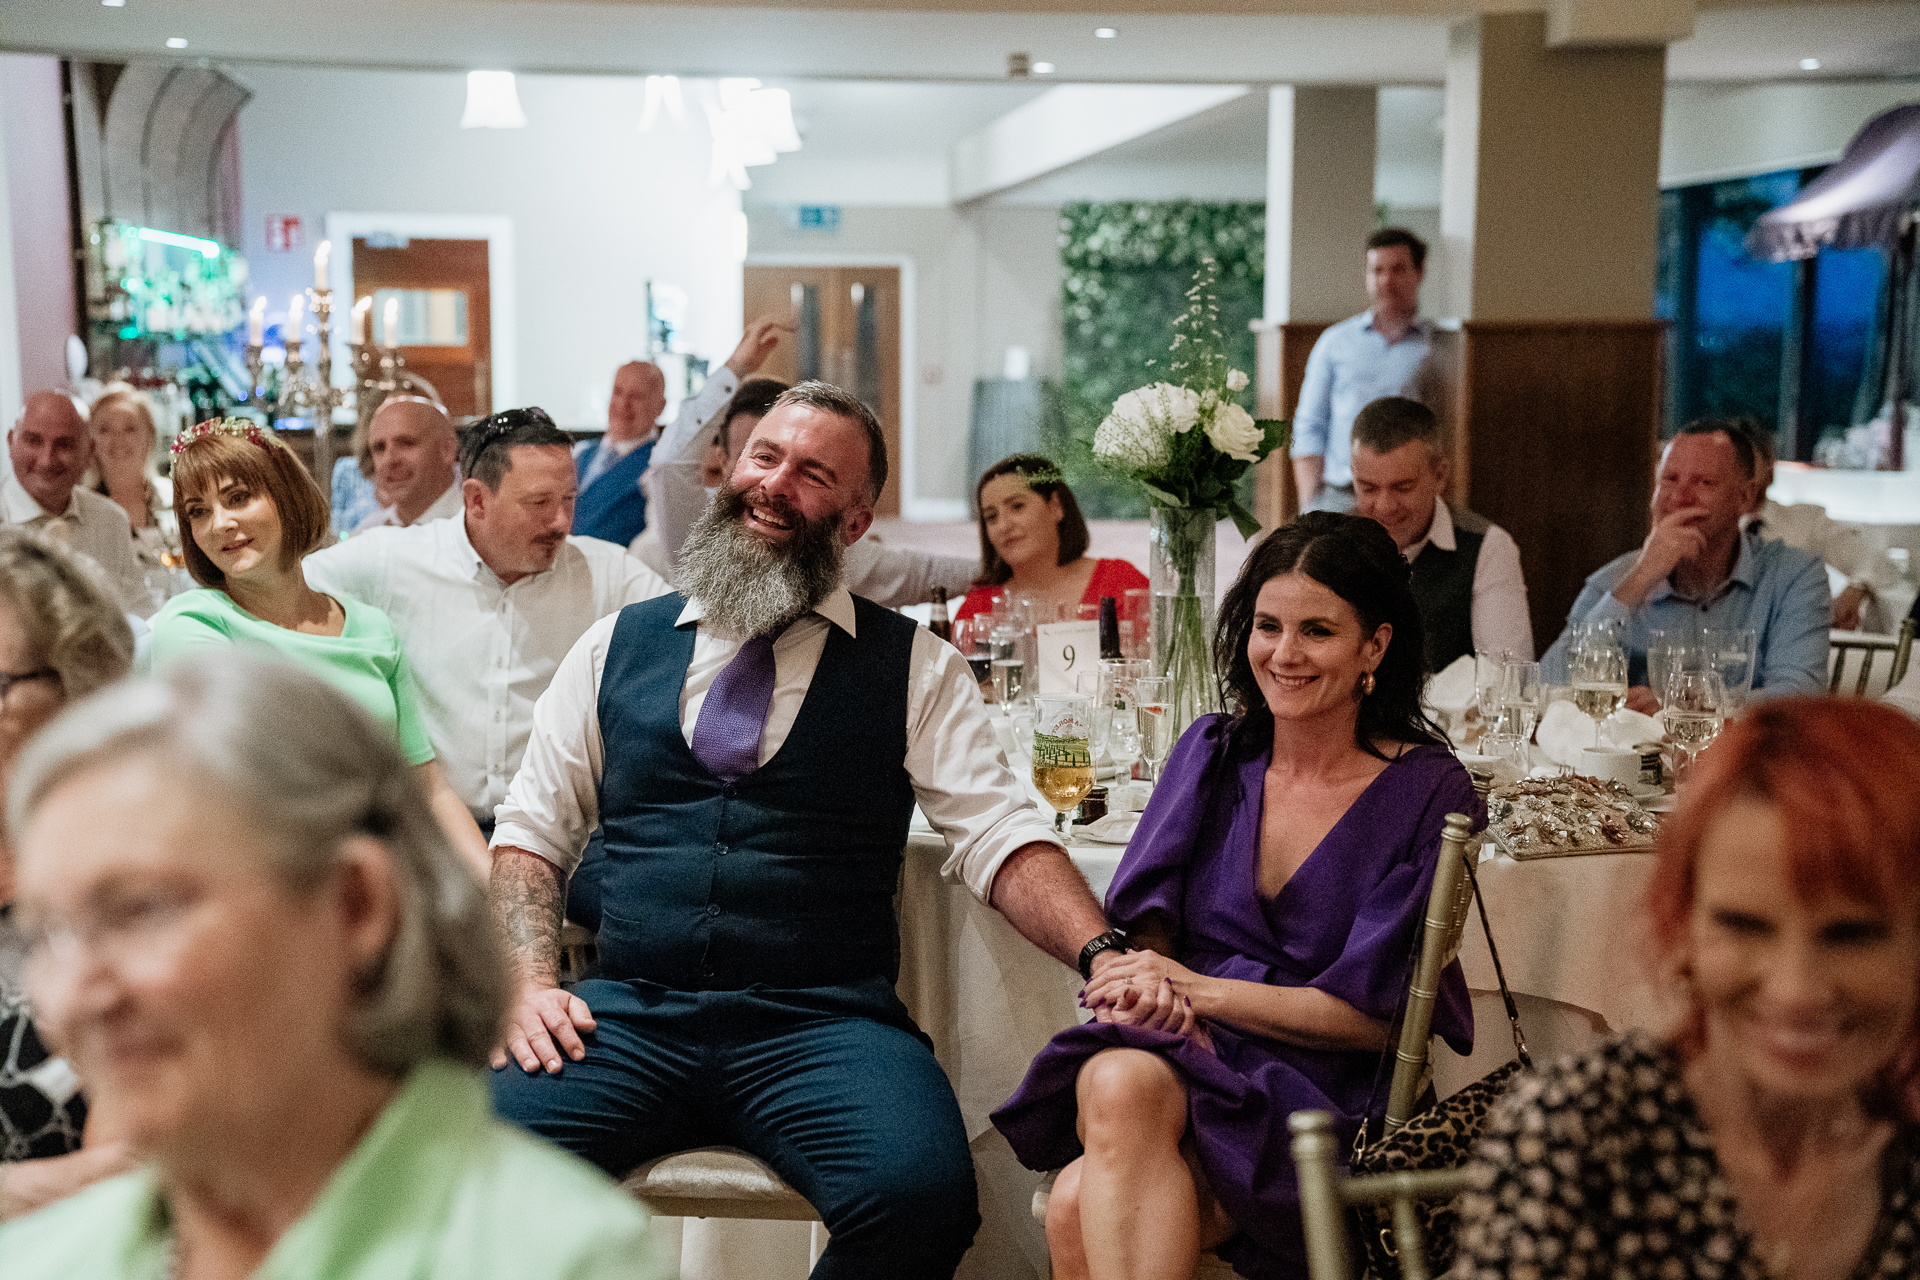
[1111, 940]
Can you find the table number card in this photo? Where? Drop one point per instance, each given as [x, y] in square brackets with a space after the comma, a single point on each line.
[1067, 651]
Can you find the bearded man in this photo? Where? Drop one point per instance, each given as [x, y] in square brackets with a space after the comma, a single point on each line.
[752, 751]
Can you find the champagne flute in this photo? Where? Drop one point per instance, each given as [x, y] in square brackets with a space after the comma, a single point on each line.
[1694, 712]
[1599, 672]
[1155, 713]
[1119, 676]
[1488, 671]
[1062, 752]
[1522, 696]
[1092, 686]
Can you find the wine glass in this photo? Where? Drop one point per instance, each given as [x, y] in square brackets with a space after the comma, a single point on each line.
[1155, 713]
[1522, 696]
[1118, 677]
[1730, 652]
[1695, 709]
[1488, 671]
[1062, 752]
[973, 637]
[1667, 652]
[1092, 686]
[1598, 670]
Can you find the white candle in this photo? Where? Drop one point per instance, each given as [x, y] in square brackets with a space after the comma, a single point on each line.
[295, 321]
[257, 321]
[320, 256]
[361, 310]
[392, 318]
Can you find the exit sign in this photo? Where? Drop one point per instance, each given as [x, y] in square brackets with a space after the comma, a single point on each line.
[820, 217]
[284, 233]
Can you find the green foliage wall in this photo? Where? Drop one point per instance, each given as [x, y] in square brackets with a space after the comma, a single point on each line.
[1127, 267]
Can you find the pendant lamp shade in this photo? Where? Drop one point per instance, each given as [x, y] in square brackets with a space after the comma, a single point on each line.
[492, 102]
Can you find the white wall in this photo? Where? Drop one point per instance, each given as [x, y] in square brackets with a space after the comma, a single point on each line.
[1711, 131]
[985, 278]
[36, 278]
[597, 208]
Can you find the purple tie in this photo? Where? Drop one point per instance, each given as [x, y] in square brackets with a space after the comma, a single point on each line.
[726, 737]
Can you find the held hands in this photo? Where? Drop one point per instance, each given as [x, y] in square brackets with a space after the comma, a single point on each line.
[1145, 989]
[541, 1018]
[756, 344]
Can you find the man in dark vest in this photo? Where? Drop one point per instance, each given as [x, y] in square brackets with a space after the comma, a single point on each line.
[1466, 571]
[752, 751]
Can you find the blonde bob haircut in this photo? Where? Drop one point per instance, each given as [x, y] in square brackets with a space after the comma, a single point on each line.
[219, 726]
[69, 618]
[264, 464]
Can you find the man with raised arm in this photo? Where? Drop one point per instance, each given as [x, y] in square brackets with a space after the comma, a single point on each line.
[752, 750]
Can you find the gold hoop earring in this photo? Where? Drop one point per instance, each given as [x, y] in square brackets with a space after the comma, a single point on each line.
[1366, 684]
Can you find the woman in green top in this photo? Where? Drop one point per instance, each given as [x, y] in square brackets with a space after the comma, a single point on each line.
[262, 954]
[251, 513]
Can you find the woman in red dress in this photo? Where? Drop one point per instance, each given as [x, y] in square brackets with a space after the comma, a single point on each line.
[1033, 541]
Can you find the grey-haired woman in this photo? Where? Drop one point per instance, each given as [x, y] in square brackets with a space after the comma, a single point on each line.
[276, 975]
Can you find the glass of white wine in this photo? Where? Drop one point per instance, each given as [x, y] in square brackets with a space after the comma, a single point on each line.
[1063, 752]
[1695, 709]
[1598, 669]
[1155, 713]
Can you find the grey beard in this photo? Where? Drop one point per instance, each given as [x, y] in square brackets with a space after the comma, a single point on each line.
[749, 587]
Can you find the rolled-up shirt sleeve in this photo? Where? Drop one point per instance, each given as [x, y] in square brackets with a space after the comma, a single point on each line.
[1501, 622]
[553, 803]
[960, 776]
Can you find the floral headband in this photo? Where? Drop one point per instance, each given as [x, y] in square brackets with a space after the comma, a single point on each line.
[1039, 475]
[244, 428]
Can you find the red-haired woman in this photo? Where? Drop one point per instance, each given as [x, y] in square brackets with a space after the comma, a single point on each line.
[1773, 1133]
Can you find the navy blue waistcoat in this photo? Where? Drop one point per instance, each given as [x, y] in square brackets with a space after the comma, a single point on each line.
[612, 507]
[783, 879]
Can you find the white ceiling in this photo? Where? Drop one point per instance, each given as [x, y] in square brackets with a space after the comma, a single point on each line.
[911, 41]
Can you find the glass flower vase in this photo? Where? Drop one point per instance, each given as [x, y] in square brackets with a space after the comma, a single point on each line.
[1180, 571]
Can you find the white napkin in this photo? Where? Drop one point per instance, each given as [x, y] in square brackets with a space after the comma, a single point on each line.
[1629, 729]
[1115, 828]
[1452, 690]
[1564, 733]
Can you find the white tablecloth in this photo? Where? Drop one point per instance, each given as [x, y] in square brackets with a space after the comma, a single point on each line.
[989, 1000]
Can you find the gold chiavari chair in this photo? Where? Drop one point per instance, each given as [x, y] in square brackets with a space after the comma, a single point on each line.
[1842, 650]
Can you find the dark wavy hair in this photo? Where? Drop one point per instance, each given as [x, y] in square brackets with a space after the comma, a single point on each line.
[1354, 558]
[1044, 479]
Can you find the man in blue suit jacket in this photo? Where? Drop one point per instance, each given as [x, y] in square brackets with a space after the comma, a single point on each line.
[610, 504]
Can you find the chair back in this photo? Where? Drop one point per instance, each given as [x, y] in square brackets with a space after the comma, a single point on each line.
[1446, 919]
[1864, 651]
[1325, 1193]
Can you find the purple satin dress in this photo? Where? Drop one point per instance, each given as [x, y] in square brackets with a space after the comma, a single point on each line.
[1348, 923]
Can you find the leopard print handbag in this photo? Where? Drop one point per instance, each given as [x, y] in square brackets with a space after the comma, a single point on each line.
[1440, 1137]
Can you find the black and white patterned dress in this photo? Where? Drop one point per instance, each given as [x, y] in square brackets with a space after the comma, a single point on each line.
[1598, 1166]
[41, 1111]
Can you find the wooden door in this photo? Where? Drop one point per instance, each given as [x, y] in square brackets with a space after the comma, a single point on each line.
[846, 331]
[444, 332]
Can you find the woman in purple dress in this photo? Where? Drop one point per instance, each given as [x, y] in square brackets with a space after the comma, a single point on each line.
[1274, 891]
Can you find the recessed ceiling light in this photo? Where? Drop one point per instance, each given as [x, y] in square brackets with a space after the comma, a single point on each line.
[176, 42]
[1809, 64]
[1043, 68]
[1102, 33]
[114, 4]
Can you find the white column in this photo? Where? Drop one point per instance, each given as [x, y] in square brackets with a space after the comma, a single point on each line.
[1320, 162]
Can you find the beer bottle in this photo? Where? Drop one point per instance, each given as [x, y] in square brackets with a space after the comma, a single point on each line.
[938, 623]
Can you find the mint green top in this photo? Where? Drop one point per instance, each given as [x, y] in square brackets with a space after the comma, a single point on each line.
[437, 1190]
[364, 661]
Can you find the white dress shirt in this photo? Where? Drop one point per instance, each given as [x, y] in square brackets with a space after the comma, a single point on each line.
[959, 775]
[93, 525]
[482, 651]
[891, 576]
[447, 504]
[1501, 623]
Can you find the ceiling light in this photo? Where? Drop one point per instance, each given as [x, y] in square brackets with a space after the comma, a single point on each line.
[114, 4]
[492, 102]
[1100, 33]
[176, 42]
[1043, 68]
[662, 91]
[1809, 64]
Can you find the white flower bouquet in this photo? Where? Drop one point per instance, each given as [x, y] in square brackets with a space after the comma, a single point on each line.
[1187, 443]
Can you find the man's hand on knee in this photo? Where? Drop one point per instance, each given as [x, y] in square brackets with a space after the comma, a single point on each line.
[541, 1018]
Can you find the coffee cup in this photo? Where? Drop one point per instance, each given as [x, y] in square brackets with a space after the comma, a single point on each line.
[1611, 764]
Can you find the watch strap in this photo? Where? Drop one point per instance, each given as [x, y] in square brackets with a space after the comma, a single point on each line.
[1111, 940]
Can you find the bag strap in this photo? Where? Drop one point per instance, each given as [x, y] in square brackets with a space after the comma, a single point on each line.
[1500, 974]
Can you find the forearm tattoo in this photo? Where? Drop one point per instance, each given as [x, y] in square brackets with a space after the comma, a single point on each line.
[529, 902]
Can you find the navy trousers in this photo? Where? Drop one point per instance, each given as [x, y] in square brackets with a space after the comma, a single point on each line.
[854, 1113]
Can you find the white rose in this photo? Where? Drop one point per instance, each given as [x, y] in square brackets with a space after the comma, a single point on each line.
[1236, 380]
[1178, 407]
[1234, 433]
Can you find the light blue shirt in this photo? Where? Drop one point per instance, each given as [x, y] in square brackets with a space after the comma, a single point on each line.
[1350, 367]
[1779, 591]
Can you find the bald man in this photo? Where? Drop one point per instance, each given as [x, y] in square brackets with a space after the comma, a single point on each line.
[50, 450]
[413, 446]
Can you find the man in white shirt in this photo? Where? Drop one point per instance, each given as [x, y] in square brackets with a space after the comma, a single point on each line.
[1807, 525]
[487, 604]
[51, 449]
[1466, 570]
[892, 576]
[414, 450]
[752, 752]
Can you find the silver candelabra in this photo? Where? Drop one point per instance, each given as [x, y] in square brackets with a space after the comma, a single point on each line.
[378, 371]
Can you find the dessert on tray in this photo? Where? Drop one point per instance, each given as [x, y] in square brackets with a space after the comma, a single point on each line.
[1554, 817]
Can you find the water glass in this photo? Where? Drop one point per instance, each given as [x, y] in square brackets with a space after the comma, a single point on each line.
[1694, 712]
[1118, 679]
[1091, 686]
[1667, 652]
[1158, 718]
[1523, 698]
[1062, 752]
[1488, 670]
[1730, 653]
